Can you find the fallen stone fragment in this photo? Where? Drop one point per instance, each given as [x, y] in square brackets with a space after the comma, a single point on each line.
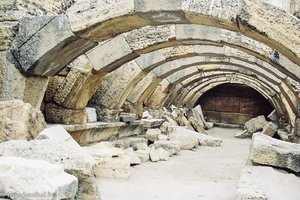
[75, 160]
[242, 134]
[152, 134]
[207, 140]
[154, 156]
[198, 114]
[163, 154]
[142, 146]
[111, 162]
[162, 137]
[173, 147]
[144, 155]
[273, 116]
[22, 178]
[266, 183]
[283, 135]
[129, 142]
[164, 127]
[187, 138]
[91, 114]
[182, 121]
[19, 121]
[255, 124]
[270, 129]
[269, 151]
[197, 125]
[134, 159]
[58, 133]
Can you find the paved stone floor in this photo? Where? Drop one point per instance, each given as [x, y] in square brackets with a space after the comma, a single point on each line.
[209, 173]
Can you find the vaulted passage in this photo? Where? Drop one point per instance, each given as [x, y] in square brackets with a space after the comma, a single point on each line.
[233, 104]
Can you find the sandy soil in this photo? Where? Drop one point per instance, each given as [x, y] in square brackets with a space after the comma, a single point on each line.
[209, 173]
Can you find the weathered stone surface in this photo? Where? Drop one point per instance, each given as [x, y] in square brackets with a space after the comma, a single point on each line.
[129, 142]
[170, 120]
[162, 137]
[164, 127]
[163, 154]
[111, 162]
[134, 158]
[273, 116]
[187, 138]
[152, 134]
[58, 114]
[283, 135]
[206, 140]
[297, 127]
[73, 159]
[146, 115]
[19, 121]
[152, 123]
[154, 156]
[91, 114]
[127, 117]
[255, 124]
[197, 125]
[270, 129]
[173, 147]
[182, 121]
[198, 114]
[33, 50]
[266, 183]
[242, 134]
[144, 155]
[58, 133]
[268, 151]
[22, 178]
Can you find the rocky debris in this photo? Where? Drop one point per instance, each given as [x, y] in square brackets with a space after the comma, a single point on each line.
[152, 134]
[270, 129]
[58, 133]
[144, 154]
[196, 124]
[164, 127]
[154, 156]
[152, 123]
[91, 114]
[186, 137]
[173, 147]
[255, 124]
[207, 140]
[110, 162]
[134, 159]
[297, 127]
[146, 115]
[198, 114]
[129, 142]
[163, 154]
[75, 160]
[142, 146]
[182, 121]
[242, 134]
[22, 178]
[269, 151]
[266, 183]
[162, 137]
[283, 135]
[19, 121]
[273, 116]
[170, 120]
[127, 117]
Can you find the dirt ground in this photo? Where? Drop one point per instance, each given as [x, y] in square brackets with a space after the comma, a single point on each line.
[209, 173]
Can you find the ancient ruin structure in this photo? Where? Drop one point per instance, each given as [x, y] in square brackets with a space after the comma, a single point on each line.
[106, 70]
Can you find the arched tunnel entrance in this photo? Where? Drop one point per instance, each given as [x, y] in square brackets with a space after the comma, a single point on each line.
[233, 104]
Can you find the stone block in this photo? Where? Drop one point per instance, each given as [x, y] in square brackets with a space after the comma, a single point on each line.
[173, 147]
[91, 114]
[269, 151]
[74, 160]
[134, 158]
[22, 178]
[19, 121]
[187, 138]
[58, 114]
[255, 124]
[152, 134]
[270, 129]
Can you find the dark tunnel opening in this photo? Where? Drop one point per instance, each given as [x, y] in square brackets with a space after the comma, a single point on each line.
[233, 104]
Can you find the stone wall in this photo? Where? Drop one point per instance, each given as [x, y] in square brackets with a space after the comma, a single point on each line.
[233, 104]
